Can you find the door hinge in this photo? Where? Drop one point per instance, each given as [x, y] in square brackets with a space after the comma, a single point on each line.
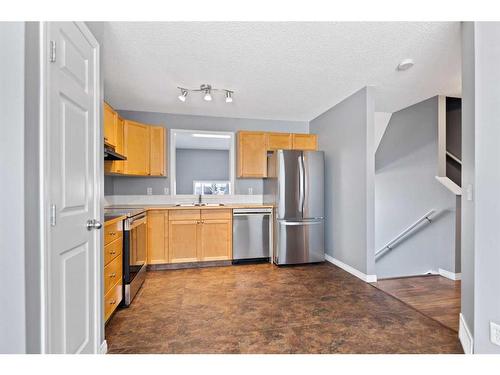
[53, 215]
[52, 52]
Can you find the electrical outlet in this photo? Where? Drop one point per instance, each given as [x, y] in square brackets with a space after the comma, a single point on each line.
[166, 191]
[149, 191]
[250, 191]
[495, 333]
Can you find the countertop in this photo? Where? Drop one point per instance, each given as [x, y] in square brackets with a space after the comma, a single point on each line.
[108, 220]
[174, 207]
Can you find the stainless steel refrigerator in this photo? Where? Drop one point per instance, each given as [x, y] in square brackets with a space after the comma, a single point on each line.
[295, 186]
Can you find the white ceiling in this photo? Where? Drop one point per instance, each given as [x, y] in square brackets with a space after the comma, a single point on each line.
[278, 70]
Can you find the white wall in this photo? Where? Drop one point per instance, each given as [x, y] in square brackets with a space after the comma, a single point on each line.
[487, 184]
[406, 164]
[346, 135]
[12, 260]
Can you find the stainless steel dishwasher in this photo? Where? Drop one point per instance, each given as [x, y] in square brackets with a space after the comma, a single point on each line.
[252, 234]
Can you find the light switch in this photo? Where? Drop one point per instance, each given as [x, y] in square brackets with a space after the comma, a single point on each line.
[250, 191]
[469, 192]
[166, 191]
[150, 191]
[495, 333]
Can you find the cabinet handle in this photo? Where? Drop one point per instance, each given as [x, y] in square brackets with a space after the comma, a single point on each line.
[113, 274]
[112, 302]
[112, 252]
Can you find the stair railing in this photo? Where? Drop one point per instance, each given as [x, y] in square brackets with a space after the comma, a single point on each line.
[393, 243]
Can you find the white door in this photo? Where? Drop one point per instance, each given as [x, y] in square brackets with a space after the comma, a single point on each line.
[72, 132]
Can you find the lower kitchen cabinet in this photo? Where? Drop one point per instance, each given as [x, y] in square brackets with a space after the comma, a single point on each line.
[186, 236]
[215, 240]
[158, 237]
[183, 241]
[113, 266]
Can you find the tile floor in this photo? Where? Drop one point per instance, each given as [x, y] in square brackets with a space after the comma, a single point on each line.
[265, 309]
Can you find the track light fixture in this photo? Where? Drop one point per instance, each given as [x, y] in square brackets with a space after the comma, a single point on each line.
[182, 96]
[207, 93]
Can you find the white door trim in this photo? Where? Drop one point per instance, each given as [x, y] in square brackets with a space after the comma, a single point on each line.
[44, 187]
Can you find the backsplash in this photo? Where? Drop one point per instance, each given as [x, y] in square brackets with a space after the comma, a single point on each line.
[114, 200]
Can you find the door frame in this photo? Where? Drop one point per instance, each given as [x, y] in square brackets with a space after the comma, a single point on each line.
[99, 346]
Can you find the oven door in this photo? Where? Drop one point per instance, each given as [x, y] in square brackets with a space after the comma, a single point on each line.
[136, 246]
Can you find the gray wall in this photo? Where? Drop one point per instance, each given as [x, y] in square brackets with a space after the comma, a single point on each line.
[194, 164]
[139, 185]
[345, 134]
[487, 184]
[12, 226]
[468, 114]
[406, 164]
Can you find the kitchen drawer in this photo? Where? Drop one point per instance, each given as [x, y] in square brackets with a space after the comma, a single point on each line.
[181, 214]
[216, 214]
[112, 299]
[112, 273]
[113, 232]
[112, 250]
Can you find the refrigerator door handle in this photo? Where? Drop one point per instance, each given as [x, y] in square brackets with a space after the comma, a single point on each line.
[301, 184]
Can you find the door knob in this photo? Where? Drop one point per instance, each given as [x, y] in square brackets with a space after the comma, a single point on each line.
[93, 224]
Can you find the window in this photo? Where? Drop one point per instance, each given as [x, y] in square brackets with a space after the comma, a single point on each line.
[211, 187]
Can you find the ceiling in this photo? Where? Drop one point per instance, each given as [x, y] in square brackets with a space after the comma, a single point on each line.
[278, 70]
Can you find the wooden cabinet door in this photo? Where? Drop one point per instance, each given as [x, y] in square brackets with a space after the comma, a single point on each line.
[117, 166]
[157, 151]
[157, 237]
[307, 142]
[136, 148]
[252, 154]
[279, 141]
[183, 240]
[216, 240]
[110, 124]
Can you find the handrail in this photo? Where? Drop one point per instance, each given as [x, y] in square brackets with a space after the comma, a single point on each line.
[390, 245]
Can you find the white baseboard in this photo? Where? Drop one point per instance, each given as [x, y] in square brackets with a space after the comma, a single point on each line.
[103, 349]
[351, 270]
[450, 275]
[465, 336]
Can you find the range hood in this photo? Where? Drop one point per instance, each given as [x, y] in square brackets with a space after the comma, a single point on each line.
[111, 154]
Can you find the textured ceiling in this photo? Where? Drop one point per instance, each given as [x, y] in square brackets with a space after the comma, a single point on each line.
[278, 70]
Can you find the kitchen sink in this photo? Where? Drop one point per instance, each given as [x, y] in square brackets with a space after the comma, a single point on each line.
[199, 204]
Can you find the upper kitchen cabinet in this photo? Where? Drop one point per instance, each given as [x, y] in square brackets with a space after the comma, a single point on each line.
[117, 166]
[110, 125]
[279, 141]
[157, 151]
[252, 154]
[306, 142]
[253, 148]
[137, 148]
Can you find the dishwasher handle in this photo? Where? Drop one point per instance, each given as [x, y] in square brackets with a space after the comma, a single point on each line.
[251, 214]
